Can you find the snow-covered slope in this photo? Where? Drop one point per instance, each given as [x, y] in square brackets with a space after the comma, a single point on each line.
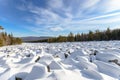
[61, 61]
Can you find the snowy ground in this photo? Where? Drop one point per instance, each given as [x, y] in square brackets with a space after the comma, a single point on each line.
[61, 61]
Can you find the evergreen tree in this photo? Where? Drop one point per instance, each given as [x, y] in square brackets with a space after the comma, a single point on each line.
[70, 37]
[8, 39]
[1, 28]
[90, 36]
[97, 36]
[61, 39]
[108, 34]
[17, 41]
[1, 42]
[78, 37]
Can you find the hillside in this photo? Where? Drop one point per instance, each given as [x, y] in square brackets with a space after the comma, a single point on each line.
[33, 38]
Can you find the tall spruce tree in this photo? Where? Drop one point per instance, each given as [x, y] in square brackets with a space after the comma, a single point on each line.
[70, 37]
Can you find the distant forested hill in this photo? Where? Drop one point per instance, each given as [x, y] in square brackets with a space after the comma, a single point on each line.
[33, 38]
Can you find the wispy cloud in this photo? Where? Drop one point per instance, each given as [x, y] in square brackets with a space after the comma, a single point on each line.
[57, 28]
[72, 14]
[109, 6]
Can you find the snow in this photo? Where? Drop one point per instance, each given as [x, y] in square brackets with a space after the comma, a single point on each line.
[95, 60]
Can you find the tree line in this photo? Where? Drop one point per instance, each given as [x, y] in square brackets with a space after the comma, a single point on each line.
[8, 39]
[97, 35]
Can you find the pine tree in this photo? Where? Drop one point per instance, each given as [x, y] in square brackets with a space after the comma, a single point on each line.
[70, 37]
[108, 34]
[17, 41]
[8, 39]
[90, 36]
[97, 35]
[1, 28]
[61, 39]
[77, 37]
[1, 42]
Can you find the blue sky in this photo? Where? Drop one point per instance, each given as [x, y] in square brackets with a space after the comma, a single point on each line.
[58, 17]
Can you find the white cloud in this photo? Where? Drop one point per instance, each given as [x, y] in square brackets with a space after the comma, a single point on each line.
[56, 28]
[102, 19]
[106, 6]
[44, 15]
[104, 16]
[55, 3]
[89, 3]
[65, 12]
[111, 5]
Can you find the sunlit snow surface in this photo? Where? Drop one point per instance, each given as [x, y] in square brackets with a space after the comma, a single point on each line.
[61, 61]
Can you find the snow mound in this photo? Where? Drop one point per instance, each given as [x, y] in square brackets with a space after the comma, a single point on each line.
[61, 61]
[54, 65]
[37, 72]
